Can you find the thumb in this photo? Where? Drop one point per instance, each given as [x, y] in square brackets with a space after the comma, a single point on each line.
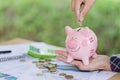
[81, 66]
[76, 63]
[86, 8]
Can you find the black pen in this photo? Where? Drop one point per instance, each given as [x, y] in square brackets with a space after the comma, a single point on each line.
[5, 52]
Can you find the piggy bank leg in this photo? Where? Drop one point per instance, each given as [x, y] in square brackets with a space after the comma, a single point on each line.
[69, 59]
[85, 61]
[94, 56]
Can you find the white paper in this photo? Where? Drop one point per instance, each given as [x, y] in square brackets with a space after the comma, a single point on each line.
[27, 70]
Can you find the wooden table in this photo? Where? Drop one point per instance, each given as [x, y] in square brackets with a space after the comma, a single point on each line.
[21, 41]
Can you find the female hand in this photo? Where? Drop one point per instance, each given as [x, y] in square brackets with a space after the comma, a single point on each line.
[81, 7]
[101, 62]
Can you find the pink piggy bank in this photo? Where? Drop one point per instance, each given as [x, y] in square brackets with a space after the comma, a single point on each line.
[81, 44]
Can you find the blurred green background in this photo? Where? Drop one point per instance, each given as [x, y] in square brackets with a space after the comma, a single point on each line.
[44, 20]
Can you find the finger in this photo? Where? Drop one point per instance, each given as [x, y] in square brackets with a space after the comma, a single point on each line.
[82, 5]
[62, 59]
[77, 9]
[73, 5]
[60, 52]
[87, 67]
[81, 66]
[87, 7]
[76, 63]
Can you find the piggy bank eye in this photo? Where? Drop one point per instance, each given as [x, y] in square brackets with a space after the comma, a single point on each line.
[76, 38]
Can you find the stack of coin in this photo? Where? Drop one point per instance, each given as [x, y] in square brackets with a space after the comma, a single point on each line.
[42, 60]
[40, 65]
[54, 64]
[52, 68]
[48, 60]
[46, 63]
[50, 64]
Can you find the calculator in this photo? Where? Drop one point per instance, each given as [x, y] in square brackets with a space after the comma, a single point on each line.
[41, 52]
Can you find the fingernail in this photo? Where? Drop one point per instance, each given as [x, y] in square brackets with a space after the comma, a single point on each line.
[80, 19]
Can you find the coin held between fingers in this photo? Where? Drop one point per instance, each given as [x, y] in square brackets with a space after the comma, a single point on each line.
[80, 24]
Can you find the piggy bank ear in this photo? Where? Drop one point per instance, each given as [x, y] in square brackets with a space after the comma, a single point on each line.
[85, 32]
[68, 30]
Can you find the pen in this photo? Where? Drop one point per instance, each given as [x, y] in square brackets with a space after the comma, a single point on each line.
[5, 52]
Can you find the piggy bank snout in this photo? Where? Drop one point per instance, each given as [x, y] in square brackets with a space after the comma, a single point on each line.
[72, 44]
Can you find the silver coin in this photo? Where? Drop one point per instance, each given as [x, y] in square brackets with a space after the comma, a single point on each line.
[45, 71]
[39, 74]
[34, 62]
[22, 60]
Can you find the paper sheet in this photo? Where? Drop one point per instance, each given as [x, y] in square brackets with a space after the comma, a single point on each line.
[27, 70]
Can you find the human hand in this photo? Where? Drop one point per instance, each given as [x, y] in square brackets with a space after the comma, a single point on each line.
[101, 62]
[80, 8]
